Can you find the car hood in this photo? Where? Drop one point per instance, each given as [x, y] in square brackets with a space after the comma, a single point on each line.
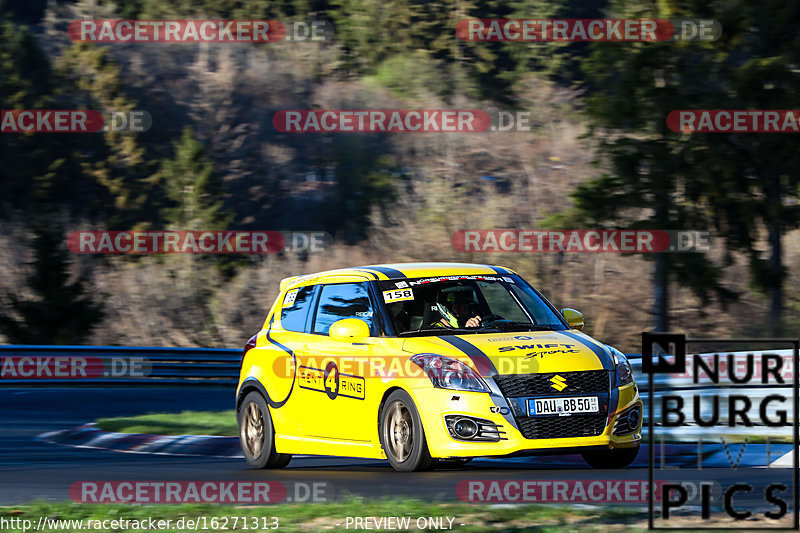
[519, 352]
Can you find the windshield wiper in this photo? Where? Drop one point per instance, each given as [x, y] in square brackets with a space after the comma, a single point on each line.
[447, 331]
[528, 326]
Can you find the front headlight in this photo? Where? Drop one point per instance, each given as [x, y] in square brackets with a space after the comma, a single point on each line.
[446, 373]
[624, 372]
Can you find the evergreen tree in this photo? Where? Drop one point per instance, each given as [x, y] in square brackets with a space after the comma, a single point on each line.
[559, 61]
[60, 312]
[193, 188]
[366, 177]
[91, 175]
[196, 195]
[374, 32]
[24, 84]
[117, 166]
[649, 184]
[752, 180]
[736, 184]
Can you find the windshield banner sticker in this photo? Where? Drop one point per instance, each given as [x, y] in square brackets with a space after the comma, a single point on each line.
[457, 278]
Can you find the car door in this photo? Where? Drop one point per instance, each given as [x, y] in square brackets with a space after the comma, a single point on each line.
[286, 343]
[332, 374]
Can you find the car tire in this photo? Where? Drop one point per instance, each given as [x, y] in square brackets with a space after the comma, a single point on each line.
[401, 434]
[616, 458]
[257, 434]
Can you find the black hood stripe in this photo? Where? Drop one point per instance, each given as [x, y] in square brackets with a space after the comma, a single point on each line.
[482, 362]
[365, 271]
[500, 270]
[390, 273]
[601, 354]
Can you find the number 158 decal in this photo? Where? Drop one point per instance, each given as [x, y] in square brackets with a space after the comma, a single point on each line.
[398, 295]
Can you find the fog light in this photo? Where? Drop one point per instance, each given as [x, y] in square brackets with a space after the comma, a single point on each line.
[633, 419]
[465, 428]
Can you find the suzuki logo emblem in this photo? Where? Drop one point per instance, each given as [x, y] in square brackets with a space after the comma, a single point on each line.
[558, 383]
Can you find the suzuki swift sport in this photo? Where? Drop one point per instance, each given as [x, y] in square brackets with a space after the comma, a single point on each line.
[422, 363]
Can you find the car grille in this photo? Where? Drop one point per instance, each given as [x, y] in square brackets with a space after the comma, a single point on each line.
[520, 385]
[562, 426]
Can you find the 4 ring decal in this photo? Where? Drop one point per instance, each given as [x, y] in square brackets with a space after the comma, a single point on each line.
[331, 382]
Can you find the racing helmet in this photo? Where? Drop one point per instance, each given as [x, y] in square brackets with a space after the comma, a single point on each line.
[459, 294]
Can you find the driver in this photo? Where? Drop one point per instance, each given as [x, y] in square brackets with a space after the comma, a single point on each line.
[456, 310]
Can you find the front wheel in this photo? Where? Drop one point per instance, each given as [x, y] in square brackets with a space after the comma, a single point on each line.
[257, 436]
[401, 434]
[616, 458]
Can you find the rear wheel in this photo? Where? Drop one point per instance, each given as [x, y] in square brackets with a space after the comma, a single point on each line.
[256, 434]
[616, 458]
[401, 434]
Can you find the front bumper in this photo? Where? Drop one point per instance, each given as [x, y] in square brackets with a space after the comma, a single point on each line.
[442, 444]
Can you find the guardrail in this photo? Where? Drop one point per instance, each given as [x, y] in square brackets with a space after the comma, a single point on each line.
[151, 366]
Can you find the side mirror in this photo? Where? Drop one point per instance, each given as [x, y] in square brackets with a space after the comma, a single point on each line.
[574, 318]
[349, 330]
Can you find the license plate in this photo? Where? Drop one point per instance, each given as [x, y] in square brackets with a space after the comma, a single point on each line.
[563, 406]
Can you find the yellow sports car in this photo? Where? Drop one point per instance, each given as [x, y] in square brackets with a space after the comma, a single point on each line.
[422, 363]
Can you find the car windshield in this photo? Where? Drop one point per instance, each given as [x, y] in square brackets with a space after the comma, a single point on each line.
[466, 304]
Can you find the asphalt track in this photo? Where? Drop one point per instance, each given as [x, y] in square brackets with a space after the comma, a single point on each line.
[34, 470]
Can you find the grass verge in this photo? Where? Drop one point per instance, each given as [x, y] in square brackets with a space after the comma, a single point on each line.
[333, 516]
[185, 423]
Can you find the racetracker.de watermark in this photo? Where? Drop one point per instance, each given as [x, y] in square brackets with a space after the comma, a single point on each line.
[622, 241]
[402, 120]
[548, 491]
[581, 30]
[70, 367]
[196, 242]
[199, 31]
[73, 121]
[734, 121]
[522, 354]
[204, 491]
[382, 120]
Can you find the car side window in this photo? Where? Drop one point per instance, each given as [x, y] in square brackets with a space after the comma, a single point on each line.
[342, 300]
[296, 305]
